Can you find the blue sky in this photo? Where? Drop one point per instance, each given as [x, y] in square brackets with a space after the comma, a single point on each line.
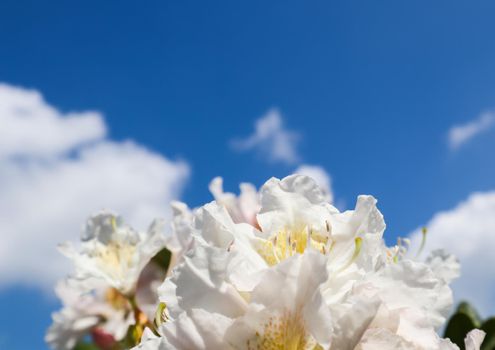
[371, 88]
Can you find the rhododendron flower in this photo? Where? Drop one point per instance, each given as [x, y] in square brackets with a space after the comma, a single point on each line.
[278, 268]
[103, 311]
[302, 276]
[113, 252]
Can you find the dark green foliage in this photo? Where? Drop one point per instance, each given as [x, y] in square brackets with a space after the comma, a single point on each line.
[459, 325]
[465, 319]
[489, 327]
[467, 309]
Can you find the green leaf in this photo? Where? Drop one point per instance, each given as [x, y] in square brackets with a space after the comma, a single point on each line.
[457, 328]
[467, 309]
[489, 327]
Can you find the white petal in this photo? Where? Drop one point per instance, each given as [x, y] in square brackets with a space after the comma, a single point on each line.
[365, 218]
[351, 321]
[198, 329]
[474, 339]
[384, 339]
[215, 225]
[182, 226]
[444, 265]
[249, 203]
[295, 201]
[149, 341]
[242, 209]
[202, 281]
[409, 284]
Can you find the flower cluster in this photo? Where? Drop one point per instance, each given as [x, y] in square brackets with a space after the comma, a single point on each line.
[276, 269]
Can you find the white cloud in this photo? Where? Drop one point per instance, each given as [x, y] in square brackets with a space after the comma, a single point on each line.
[31, 127]
[55, 170]
[320, 175]
[271, 139]
[461, 134]
[468, 231]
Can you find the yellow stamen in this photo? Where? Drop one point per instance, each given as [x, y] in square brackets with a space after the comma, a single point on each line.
[358, 241]
[288, 242]
[116, 299]
[424, 231]
[160, 315]
[285, 331]
[113, 222]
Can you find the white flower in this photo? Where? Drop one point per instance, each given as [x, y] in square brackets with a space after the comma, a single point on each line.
[301, 276]
[293, 217]
[113, 252]
[82, 313]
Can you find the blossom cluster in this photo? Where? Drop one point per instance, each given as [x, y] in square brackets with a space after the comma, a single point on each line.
[278, 268]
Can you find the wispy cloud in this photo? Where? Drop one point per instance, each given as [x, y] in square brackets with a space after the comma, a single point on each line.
[30, 127]
[461, 134]
[468, 231]
[271, 139]
[57, 168]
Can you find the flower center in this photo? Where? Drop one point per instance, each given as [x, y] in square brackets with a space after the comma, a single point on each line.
[286, 243]
[285, 331]
[115, 258]
[116, 299]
